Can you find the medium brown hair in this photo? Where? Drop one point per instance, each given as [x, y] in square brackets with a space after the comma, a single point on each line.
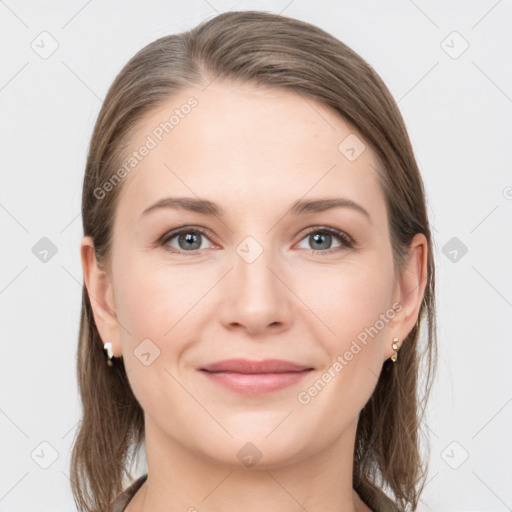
[280, 52]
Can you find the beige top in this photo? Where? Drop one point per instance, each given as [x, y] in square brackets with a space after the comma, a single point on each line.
[379, 502]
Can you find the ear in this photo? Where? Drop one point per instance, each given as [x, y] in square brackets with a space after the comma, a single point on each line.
[99, 289]
[410, 290]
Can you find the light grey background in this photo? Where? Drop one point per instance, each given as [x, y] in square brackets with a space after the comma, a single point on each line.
[458, 108]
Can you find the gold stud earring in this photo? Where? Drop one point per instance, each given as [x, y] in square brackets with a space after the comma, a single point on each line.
[107, 347]
[395, 348]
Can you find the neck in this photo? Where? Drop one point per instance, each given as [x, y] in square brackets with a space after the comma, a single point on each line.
[183, 480]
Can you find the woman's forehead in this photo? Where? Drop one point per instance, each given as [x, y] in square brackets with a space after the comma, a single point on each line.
[225, 112]
[266, 144]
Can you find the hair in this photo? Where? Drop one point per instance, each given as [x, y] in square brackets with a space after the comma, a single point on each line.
[274, 51]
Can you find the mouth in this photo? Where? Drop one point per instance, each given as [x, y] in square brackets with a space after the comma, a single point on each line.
[247, 366]
[255, 377]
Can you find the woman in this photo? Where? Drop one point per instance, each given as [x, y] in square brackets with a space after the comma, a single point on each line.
[256, 252]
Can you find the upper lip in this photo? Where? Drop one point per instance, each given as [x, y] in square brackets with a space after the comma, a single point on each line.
[247, 366]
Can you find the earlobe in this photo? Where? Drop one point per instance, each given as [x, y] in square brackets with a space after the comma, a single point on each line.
[99, 289]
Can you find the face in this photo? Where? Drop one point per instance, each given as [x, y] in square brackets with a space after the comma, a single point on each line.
[256, 280]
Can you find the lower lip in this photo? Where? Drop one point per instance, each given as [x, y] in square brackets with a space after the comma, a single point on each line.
[256, 383]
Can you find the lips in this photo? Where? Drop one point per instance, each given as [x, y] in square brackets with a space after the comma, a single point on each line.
[255, 378]
[245, 366]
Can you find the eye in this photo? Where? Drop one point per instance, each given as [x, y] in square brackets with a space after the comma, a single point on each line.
[188, 239]
[320, 239]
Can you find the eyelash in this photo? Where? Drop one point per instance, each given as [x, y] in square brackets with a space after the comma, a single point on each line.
[347, 241]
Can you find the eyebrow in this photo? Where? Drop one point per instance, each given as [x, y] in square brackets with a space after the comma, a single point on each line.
[207, 207]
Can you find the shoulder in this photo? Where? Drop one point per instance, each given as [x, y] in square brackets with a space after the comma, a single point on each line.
[122, 500]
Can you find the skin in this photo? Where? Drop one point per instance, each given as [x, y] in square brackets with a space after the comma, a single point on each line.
[254, 151]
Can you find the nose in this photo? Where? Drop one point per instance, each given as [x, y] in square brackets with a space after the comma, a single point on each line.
[255, 295]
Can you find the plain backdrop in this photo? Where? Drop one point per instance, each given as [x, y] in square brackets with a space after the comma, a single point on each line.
[448, 65]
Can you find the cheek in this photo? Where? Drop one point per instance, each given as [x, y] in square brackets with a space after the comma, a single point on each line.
[348, 299]
[154, 302]
[351, 303]
[155, 305]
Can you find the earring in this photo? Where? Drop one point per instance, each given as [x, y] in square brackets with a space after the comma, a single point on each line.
[107, 347]
[395, 348]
